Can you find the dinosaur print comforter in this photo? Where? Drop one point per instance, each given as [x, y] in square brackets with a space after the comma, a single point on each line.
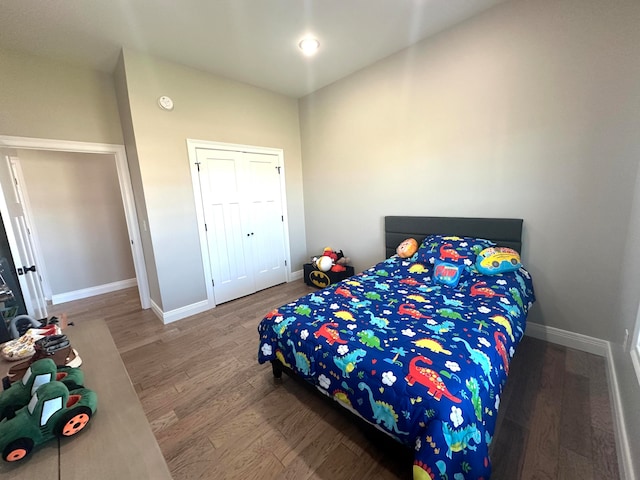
[423, 362]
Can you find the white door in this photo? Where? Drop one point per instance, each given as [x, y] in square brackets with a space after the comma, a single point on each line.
[19, 237]
[244, 221]
[266, 219]
[20, 186]
[228, 238]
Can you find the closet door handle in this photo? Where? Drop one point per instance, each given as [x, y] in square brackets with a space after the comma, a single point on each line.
[249, 234]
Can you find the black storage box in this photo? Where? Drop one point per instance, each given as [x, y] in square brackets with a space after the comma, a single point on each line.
[316, 278]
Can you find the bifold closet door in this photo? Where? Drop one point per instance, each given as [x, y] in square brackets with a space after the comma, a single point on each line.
[265, 219]
[221, 178]
[245, 230]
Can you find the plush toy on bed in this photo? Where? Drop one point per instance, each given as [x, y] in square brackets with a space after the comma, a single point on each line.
[407, 248]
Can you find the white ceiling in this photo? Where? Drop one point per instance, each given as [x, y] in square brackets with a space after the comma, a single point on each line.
[253, 41]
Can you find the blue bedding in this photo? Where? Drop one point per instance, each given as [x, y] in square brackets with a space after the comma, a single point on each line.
[424, 362]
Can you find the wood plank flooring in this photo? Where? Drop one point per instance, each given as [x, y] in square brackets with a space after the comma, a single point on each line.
[217, 414]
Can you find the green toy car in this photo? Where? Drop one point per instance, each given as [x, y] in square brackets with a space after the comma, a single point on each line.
[53, 411]
[39, 373]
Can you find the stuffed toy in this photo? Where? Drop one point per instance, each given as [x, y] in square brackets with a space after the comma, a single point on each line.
[407, 248]
[18, 394]
[328, 252]
[339, 260]
[324, 263]
[54, 397]
[331, 260]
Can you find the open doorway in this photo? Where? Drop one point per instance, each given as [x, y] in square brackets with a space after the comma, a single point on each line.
[115, 156]
[75, 215]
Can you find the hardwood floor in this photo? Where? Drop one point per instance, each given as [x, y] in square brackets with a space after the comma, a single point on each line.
[217, 414]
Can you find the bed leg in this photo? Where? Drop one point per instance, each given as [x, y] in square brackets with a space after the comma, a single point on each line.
[276, 366]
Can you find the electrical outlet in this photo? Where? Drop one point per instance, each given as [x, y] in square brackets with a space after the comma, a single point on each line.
[626, 339]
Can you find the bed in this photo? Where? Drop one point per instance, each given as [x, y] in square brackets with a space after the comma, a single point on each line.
[401, 345]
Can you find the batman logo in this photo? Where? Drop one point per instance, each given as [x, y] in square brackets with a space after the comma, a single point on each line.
[319, 279]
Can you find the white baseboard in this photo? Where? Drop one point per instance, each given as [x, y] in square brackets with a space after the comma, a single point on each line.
[625, 465]
[568, 339]
[92, 291]
[297, 275]
[601, 348]
[180, 313]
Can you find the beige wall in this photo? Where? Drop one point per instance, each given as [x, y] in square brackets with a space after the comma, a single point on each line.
[79, 217]
[41, 98]
[122, 95]
[529, 110]
[45, 99]
[212, 108]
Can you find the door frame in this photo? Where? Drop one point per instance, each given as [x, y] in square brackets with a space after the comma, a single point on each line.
[124, 179]
[192, 146]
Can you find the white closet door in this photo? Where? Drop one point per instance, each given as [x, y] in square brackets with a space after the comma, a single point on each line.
[221, 179]
[242, 207]
[266, 222]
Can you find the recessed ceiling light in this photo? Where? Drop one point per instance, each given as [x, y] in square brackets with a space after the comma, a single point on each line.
[309, 46]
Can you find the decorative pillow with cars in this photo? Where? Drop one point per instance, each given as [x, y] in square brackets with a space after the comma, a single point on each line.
[495, 260]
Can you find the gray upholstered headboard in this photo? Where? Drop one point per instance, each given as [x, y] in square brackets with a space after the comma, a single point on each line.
[506, 232]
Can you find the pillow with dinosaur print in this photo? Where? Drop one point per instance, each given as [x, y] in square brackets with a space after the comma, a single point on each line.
[452, 249]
